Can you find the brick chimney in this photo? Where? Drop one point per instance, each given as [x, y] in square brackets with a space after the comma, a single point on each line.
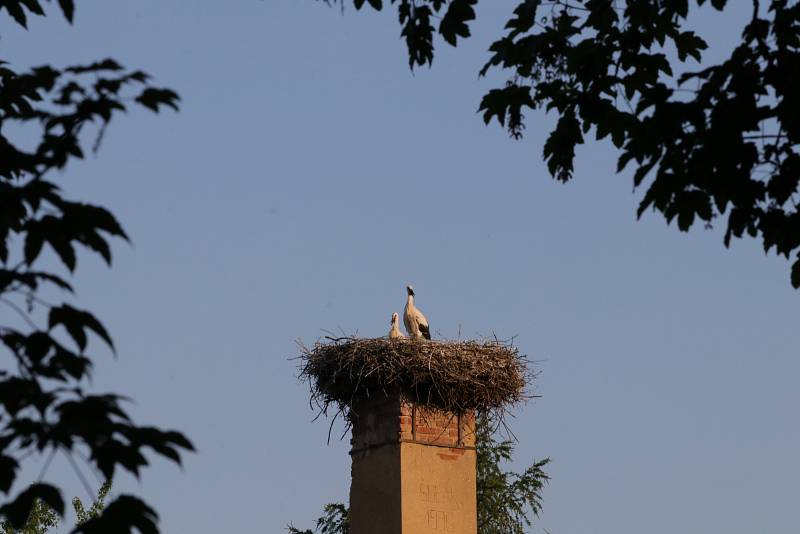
[413, 469]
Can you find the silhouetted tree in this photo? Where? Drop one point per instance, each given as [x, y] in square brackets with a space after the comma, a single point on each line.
[40, 520]
[507, 501]
[43, 517]
[43, 406]
[717, 141]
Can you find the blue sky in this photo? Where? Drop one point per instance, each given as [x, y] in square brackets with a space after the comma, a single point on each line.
[310, 175]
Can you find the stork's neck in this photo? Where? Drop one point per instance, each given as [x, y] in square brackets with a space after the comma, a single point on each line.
[410, 300]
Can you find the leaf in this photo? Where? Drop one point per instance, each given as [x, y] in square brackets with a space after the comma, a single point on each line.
[507, 105]
[642, 171]
[454, 22]
[179, 440]
[107, 64]
[33, 6]
[418, 32]
[154, 98]
[524, 17]
[68, 7]
[95, 217]
[76, 323]
[8, 472]
[17, 393]
[376, 4]
[17, 512]
[785, 182]
[33, 244]
[685, 219]
[53, 279]
[64, 361]
[64, 249]
[602, 15]
[559, 149]
[16, 12]
[689, 44]
[123, 515]
[796, 273]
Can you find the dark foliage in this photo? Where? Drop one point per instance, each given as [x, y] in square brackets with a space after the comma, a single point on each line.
[719, 141]
[336, 520]
[42, 518]
[43, 405]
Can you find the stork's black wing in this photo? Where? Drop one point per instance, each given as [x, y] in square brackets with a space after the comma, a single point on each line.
[425, 330]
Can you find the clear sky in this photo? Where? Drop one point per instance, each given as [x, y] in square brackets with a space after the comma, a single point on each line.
[310, 175]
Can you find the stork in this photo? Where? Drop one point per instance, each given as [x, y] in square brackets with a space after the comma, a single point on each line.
[394, 332]
[414, 320]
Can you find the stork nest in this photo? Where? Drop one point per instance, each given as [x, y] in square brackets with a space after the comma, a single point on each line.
[456, 376]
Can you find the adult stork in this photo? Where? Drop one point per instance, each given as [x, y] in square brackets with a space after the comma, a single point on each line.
[414, 320]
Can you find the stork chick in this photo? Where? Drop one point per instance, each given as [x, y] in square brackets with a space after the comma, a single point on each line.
[414, 320]
[394, 332]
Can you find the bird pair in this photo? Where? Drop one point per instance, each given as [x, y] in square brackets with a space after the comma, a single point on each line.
[414, 320]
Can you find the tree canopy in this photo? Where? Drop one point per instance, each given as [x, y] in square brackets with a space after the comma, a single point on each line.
[507, 501]
[44, 407]
[706, 141]
[42, 518]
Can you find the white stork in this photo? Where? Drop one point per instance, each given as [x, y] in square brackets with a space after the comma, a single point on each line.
[395, 332]
[414, 320]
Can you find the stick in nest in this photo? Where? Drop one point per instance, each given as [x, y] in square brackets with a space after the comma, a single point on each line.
[455, 376]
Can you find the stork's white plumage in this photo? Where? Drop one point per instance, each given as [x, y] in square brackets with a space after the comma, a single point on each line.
[414, 320]
[394, 332]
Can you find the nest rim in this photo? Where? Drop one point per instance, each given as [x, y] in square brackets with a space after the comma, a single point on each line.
[485, 375]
